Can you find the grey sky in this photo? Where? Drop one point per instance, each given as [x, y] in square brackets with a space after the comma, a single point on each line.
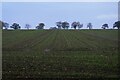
[33, 13]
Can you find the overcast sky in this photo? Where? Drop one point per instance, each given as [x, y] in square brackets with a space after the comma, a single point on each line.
[33, 13]
[59, 0]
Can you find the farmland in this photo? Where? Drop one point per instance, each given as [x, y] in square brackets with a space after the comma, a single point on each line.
[60, 53]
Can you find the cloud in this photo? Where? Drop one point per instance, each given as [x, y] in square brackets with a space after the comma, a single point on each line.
[107, 16]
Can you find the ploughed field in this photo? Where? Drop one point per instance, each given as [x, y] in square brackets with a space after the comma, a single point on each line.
[60, 53]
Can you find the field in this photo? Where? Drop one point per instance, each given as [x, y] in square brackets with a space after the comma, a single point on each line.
[60, 54]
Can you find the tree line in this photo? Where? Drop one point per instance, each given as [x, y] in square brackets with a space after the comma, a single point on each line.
[59, 25]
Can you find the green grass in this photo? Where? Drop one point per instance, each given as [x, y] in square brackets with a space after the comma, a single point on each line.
[60, 54]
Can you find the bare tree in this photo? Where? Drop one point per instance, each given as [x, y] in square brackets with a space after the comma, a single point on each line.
[4, 25]
[27, 26]
[89, 25]
[80, 26]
